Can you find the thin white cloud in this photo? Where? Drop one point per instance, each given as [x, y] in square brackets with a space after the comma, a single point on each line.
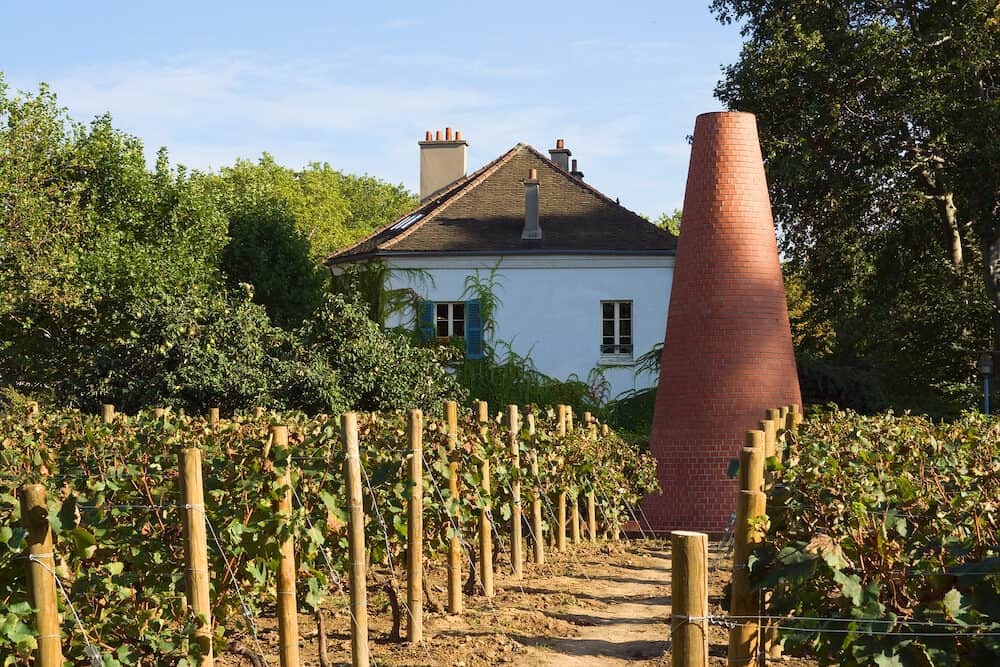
[210, 109]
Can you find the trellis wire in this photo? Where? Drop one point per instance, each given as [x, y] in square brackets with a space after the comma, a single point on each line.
[388, 552]
[93, 654]
[329, 565]
[244, 609]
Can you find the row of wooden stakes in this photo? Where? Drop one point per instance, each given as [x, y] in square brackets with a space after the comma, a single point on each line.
[41, 563]
[749, 643]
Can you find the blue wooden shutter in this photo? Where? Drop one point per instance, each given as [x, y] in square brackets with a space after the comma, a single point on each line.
[425, 319]
[473, 330]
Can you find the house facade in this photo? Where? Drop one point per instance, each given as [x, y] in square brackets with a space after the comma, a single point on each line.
[560, 272]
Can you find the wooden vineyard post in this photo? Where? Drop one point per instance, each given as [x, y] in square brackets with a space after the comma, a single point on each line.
[791, 425]
[41, 575]
[415, 530]
[536, 498]
[32, 409]
[288, 617]
[213, 416]
[516, 545]
[455, 543]
[258, 412]
[744, 639]
[770, 448]
[356, 542]
[158, 413]
[797, 411]
[196, 549]
[752, 462]
[574, 522]
[591, 499]
[107, 413]
[561, 521]
[689, 595]
[485, 527]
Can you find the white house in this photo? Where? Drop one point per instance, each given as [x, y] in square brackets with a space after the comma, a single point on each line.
[583, 282]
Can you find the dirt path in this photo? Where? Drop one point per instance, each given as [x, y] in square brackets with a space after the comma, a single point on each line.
[598, 605]
[620, 611]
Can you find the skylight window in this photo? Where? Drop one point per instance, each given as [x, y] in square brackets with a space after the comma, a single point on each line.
[406, 222]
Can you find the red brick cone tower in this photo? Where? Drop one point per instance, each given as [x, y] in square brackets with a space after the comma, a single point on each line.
[727, 353]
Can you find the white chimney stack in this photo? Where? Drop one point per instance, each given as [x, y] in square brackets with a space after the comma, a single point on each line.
[532, 227]
[442, 161]
[560, 154]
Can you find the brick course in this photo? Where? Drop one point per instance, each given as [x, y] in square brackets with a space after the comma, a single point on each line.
[727, 352]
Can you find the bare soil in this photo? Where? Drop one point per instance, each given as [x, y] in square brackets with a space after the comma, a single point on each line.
[606, 605]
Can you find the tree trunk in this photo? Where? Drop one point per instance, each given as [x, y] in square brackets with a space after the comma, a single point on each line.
[991, 276]
[944, 200]
[949, 214]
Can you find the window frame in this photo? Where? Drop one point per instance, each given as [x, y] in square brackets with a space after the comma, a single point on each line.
[618, 358]
[451, 320]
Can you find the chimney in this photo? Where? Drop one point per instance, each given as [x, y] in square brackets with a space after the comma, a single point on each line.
[532, 228]
[576, 173]
[560, 154]
[442, 161]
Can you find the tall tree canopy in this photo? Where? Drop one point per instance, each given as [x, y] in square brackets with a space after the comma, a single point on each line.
[880, 123]
[162, 286]
[283, 223]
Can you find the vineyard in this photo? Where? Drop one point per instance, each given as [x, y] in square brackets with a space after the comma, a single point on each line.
[114, 503]
[884, 540]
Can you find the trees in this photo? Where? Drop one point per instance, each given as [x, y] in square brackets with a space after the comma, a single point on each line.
[879, 125]
[284, 223]
[86, 231]
[134, 285]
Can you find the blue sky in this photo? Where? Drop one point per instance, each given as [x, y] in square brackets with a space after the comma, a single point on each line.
[357, 84]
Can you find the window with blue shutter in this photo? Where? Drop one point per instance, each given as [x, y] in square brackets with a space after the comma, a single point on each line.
[425, 319]
[473, 330]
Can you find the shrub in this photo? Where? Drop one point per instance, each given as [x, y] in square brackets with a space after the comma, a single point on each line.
[378, 369]
[213, 351]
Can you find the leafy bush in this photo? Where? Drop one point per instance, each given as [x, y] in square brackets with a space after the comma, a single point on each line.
[194, 353]
[377, 369]
[892, 523]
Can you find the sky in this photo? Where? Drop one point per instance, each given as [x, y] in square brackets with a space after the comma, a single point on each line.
[357, 84]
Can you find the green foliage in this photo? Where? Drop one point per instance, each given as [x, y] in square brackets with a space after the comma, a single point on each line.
[125, 284]
[267, 248]
[670, 222]
[284, 223]
[365, 282]
[114, 511]
[888, 517]
[378, 369]
[87, 233]
[192, 353]
[513, 379]
[879, 124]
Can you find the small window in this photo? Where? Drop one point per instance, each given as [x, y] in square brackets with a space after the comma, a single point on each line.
[450, 320]
[616, 330]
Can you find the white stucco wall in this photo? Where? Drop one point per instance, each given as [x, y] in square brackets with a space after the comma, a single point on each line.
[551, 304]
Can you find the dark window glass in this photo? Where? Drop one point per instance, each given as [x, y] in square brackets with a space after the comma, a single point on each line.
[608, 310]
[625, 310]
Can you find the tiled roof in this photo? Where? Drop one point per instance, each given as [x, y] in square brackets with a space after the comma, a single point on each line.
[483, 213]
